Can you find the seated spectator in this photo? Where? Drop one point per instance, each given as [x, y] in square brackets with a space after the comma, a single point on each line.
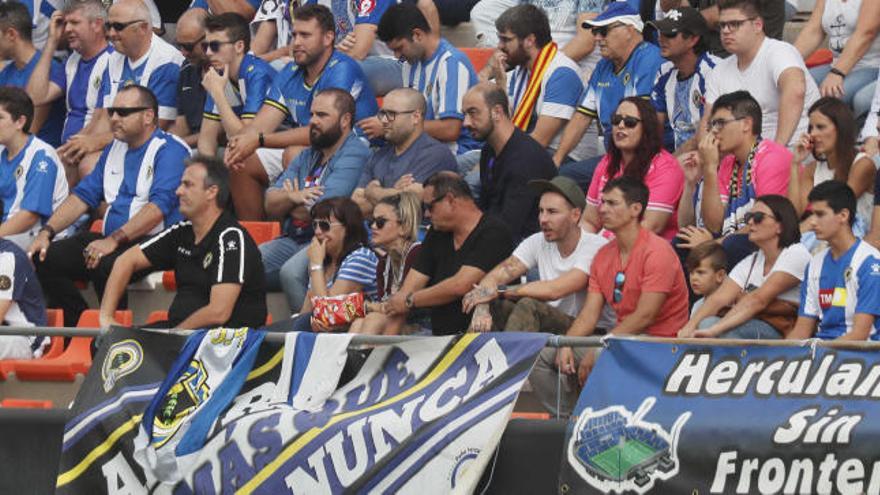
[508, 161]
[771, 70]
[135, 176]
[628, 68]
[707, 268]
[774, 13]
[76, 85]
[638, 274]
[329, 168]
[636, 150]
[543, 95]
[762, 291]
[828, 152]
[840, 296]
[210, 241]
[32, 182]
[22, 56]
[850, 28]
[141, 57]
[432, 66]
[561, 252]
[236, 81]
[190, 32]
[255, 153]
[340, 261]
[395, 230]
[21, 303]
[409, 155]
[40, 12]
[462, 246]
[737, 167]
[681, 82]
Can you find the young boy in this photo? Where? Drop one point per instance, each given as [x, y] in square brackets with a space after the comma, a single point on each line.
[706, 265]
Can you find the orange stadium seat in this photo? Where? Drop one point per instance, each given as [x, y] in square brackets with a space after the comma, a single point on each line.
[56, 320]
[819, 57]
[157, 315]
[97, 226]
[478, 56]
[26, 403]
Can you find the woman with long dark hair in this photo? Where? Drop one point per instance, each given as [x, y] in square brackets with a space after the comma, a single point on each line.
[636, 151]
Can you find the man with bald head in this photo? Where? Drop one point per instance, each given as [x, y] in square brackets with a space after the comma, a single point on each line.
[409, 156]
[190, 93]
[508, 161]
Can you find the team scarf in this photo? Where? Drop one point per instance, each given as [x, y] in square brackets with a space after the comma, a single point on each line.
[523, 114]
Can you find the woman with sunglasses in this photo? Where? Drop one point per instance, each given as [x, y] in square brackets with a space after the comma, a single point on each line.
[395, 230]
[759, 298]
[340, 262]
[636, 151]
[828, 152]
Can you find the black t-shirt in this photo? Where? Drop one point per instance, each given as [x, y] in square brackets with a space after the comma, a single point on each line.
[505, 177]
[191, 96]
[227, 254]
[487, 246]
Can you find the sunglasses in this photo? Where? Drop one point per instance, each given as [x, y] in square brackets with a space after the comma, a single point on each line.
[603, 30]
[430, 206]
[188, 47]
[379, 222]
[756, 216]
[619, 279]
[323, 225]
[120, 26]
[628, 122]
[215, 45]
[125, 111]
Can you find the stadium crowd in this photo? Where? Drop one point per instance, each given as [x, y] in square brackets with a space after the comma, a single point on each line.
[665, 169]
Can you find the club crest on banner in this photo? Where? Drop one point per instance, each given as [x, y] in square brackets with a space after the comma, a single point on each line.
[123, 358]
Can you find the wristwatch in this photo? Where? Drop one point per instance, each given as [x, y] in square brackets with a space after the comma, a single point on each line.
[49, 230]
[501, 290]
[408, 302]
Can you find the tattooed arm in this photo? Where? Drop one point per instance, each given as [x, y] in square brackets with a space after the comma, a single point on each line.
[487, 290]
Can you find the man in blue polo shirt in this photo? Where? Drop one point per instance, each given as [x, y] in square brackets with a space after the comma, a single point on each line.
[841, 289]
[628, 68]
[21, 303]
[255, 153]
[236, 82]
[136, 176]
[32, 182]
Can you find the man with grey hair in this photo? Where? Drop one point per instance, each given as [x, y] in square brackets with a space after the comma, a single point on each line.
[409, 156]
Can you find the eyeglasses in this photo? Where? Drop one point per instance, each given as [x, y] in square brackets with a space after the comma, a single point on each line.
[756, 216]
[733, 26]
[619, 280]
[120, 26]
[188, 47]
[125, 111]
[323, 225]
[628, 121]
[214, 45]
[391, 115]
[603, 30]
[430, 206]
[718, 124]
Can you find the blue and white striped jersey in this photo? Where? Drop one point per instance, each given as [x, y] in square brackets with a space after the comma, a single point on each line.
[834, 290]
[682, 100]
[128, 179]
[255, 77]
[19, 284]
[81, 85]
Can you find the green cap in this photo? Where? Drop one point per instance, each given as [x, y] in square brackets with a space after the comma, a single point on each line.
[564, 186]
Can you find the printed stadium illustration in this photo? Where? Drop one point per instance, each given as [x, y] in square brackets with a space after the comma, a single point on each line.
[614, 450]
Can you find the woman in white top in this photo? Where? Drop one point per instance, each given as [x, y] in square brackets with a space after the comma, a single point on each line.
[763, 290]
[828, 151]
[851, 29]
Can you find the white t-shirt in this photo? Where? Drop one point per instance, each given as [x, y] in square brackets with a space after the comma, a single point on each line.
[839, 19]
[535, 251]
[793, 260]
[760, 79]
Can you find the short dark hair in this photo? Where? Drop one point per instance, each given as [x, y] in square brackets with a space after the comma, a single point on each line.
[838, 195]
[702, 45]
[447, 182]
[15, 15]
[741, 104]
[709, 250]
[234, 24]
[17, 103]
[494, 95]
[146, 98]
[786, 215]
[350, 216]
[523, 20]
[216, 174]
[634, 191]
[399, 21]
[318, 12]
[343, 102]
[751, 8]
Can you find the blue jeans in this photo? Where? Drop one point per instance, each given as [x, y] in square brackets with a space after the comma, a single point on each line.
[581, 172]
[858, 87]
[752, 329]
[287, 268]
[384, 74]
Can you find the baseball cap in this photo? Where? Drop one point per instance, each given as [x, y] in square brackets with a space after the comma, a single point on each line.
[682, 19]
[620, 12]
[562, 185]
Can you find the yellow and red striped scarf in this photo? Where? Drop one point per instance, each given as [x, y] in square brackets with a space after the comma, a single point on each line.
[523, 113]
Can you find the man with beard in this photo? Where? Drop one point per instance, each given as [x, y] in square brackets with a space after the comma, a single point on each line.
[330, 167]
[255, 153]
[508, 160]
[543, 85]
